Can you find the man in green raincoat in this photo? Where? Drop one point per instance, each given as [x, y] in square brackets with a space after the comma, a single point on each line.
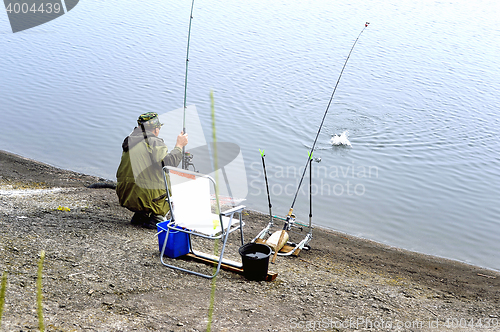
[140, 174]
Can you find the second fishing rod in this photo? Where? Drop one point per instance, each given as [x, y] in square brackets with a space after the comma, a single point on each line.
[289, 215]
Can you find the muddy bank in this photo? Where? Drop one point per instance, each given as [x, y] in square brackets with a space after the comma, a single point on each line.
[103, 274]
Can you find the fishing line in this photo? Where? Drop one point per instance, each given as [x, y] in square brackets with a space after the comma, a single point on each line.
[184, 162]
[323, 120]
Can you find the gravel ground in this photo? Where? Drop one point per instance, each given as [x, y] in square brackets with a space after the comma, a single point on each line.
[103, 274]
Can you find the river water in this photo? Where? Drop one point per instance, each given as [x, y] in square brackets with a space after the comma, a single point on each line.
[418, 101]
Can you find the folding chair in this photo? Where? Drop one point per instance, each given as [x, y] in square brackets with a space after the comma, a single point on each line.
[191, 213]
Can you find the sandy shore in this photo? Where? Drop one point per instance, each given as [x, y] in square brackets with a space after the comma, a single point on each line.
[103, 274]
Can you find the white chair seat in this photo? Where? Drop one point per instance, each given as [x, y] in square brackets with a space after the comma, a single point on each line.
[208, 226]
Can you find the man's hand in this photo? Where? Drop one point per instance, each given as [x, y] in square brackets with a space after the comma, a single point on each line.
[182, 140]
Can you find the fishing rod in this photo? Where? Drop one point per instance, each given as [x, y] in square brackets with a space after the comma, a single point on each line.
[323, 120]
[310, 189]
[186, 157]
[267, 184]
[289, 218]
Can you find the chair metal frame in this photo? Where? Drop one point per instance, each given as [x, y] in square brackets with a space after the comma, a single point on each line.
[223, 234]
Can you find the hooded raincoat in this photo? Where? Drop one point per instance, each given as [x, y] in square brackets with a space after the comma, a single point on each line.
[140, 174]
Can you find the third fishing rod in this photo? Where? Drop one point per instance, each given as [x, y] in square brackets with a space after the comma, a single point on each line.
[289, 218]
[323, 120]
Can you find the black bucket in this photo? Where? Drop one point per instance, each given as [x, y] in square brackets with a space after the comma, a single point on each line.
[255, 258]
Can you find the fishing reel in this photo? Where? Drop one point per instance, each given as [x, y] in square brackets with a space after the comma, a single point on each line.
[188, 160]
[289, 222]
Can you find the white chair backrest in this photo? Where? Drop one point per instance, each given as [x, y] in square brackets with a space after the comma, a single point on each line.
[191, 198]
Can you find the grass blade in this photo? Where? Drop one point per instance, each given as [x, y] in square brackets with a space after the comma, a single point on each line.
[2, 295]
[39, 295]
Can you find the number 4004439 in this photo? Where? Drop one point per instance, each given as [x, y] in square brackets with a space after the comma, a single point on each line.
[484, 323]
[25, 8]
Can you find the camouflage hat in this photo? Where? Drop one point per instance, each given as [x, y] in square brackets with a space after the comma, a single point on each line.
[150, 120]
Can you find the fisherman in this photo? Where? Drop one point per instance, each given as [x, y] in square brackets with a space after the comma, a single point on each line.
[139, 176]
